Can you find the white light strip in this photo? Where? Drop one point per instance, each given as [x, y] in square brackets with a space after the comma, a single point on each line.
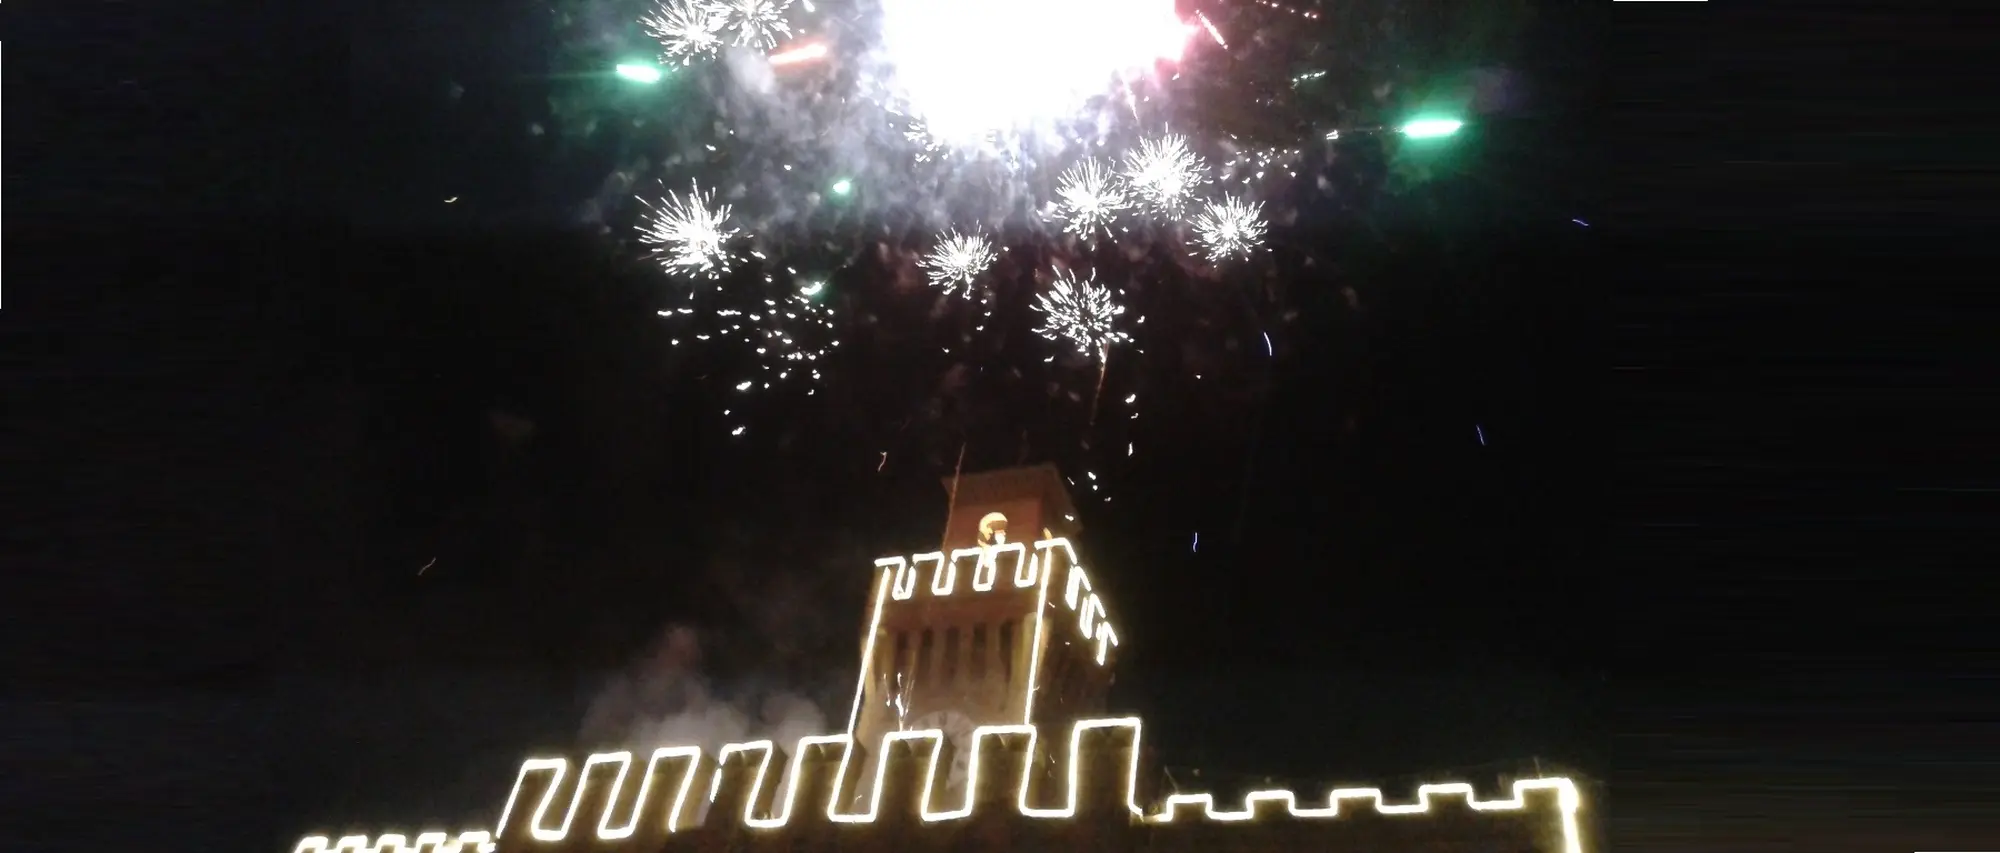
[604, 829]
[833, 812]
[941, 574]
[979, 563]
[560, 766]
[1568, 800]
[479, 840]
[1035, 661]
[1106, 638]
[1024, 570]
[868, 650]
[906, 576]
[1076, 768]
[1078, 584]
[693, 756]
[784, 810]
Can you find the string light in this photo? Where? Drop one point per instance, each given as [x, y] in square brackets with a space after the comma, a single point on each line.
[477, 840]
[868, 651]
[898, 579]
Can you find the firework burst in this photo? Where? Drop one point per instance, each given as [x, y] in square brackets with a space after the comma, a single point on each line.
[756, 23]
[957, 260]
[686, 29]
[1229, 228]
[1081, 312]
[1163, 173]
[1088, 198]
[689, 234]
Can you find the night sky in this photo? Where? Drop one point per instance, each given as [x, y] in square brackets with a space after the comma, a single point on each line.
[372, 496]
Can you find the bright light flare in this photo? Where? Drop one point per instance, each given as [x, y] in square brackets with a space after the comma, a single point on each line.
[1230, 228]
[1430, 128]
[686, 29]
[969, 68]
[1164, 173]
[1081, 312]
[797, 55]
[638, 73]
[1088, 198]
[957, 260]
[689, 233]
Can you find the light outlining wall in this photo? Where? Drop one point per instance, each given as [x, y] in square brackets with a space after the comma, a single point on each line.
[469, 841]
[868, 649]
[1029, 569]
[783, 808]
[898, 580]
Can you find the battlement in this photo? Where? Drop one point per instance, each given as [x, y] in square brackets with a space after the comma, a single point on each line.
[1016, 792]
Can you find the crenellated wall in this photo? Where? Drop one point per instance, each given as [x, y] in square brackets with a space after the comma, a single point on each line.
[1081, 794]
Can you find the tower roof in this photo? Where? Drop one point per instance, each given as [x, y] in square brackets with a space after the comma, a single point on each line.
[1041, 481]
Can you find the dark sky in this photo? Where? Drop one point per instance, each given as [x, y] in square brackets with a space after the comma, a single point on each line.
[1441, 535]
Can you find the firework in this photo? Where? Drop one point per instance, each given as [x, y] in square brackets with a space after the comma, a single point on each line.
[1081, 312]
[971, 68]
[1163, 173]
[957, 260]
[1229, 228]
[756, 23]
[686, 29]
[1088, 198]
[689, 234]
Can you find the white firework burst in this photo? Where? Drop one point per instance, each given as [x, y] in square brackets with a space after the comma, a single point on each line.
[1081, 312]
[756, 23]
[686, 29]
[689, 233]
[1088, 198]
[1164, 173]
[957, 260]
[1229, 228]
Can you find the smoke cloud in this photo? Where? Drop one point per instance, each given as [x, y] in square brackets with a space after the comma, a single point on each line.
[664, 698]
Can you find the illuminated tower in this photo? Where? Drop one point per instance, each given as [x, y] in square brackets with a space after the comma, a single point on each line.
[999, 626]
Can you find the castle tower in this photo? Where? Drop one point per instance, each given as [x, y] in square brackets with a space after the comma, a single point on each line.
[999, 626]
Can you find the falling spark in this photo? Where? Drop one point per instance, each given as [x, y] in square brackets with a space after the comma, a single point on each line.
[689, 233]
[957, 260]
[1229, 228]
[1080, 312]
[426, 566]
[1212, 31]
[686, 29]
[1163, 172]
[1088, 198]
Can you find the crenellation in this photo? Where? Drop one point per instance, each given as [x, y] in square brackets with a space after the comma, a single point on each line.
[1007, 663]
